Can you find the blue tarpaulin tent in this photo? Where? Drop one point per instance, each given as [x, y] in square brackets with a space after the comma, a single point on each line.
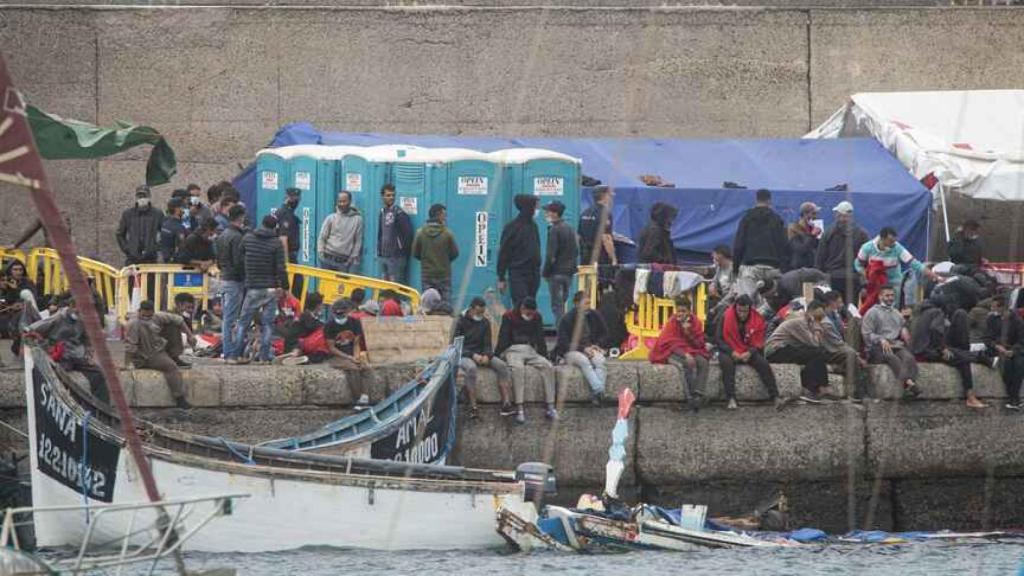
[880, 188]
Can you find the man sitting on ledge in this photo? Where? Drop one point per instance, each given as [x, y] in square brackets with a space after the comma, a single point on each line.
[800, 340]
[521, 342]
[579, 332]
[681, 344]
[940, 333]
[886, 338]
[153, 340]
[66, 331]
[740, 340]
[475, 330]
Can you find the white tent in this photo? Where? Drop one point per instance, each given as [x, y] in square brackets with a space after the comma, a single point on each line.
[970, 142]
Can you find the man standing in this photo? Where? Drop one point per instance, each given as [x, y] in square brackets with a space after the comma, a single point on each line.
[597, 243]
[521, 342]
[265, 280]
[803, 237]
[740, 338]
[200, 211]
[560, 260]
[477, 351]
[340, 244]
[886, 339]
[655, 245]
[153, 340]
[172, 232]
[519, 252]
[886, 253]
[288, 224]
[435, 248]
[760, 249]
[965, 248]
[231, 261]
[198, 248]
[139, 230]
[681, 344]
[838, 250]
[394, 237]
[579, 335]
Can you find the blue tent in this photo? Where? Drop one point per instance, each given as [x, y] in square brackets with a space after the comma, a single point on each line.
[880, 188]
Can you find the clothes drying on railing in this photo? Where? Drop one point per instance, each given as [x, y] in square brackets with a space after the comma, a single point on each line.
[664, 283]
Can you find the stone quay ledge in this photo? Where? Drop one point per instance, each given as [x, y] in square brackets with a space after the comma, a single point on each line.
[884, 463]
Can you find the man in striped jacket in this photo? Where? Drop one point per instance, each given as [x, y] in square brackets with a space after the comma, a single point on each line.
[892, 255]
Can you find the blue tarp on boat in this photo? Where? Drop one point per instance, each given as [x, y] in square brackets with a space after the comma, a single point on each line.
[880, 188]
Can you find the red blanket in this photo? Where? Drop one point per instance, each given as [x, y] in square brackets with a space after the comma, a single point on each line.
[679, 339]
[876, 277]
[752, 335]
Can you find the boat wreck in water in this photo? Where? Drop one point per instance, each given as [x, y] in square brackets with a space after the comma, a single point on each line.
[295, 499]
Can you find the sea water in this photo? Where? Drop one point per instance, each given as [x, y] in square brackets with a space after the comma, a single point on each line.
[980, 557]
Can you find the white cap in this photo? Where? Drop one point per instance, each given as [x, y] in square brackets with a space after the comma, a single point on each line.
[843, 207]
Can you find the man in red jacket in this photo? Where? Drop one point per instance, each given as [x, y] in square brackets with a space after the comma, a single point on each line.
[739, 337]
[681, 344]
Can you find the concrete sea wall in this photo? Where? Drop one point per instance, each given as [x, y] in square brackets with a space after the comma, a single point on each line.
[218, 81]
[888, 464]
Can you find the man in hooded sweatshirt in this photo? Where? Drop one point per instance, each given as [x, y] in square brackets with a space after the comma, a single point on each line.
[760, 249]
[265, 279]
[435, 248]
[519, 252]
[655, 246]
[940, 333]
[139, 230]
[560, 260]
[340, 244]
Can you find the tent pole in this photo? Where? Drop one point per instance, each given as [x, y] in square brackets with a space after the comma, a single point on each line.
[945, 214]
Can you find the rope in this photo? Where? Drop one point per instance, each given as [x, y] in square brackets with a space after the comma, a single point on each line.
[13, 429]
[82, 463]
[235, 453]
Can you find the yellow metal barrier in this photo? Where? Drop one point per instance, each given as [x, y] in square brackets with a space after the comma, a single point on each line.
[334, 285]
[8, 254]
[44, 268]
[160, 283]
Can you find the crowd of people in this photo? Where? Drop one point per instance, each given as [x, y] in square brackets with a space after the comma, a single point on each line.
[861, 310]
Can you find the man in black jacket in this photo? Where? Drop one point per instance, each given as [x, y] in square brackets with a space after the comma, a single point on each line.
[655, 245]
[521, 343]
[519, 252]
[560, 261]
[231, 261]
[838, 249]
[965, 249]
[139, 229]
[760, 249]
[477, 351]
[172, 232]
[1004, 337]
[597, 241]
[288, 224]
[394, 237]
[265, 279]
[580, 333]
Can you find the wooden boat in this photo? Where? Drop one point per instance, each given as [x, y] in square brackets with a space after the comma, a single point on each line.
[388, 430]
[295, 498]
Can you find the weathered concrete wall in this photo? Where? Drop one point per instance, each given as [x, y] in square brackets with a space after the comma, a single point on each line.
[220, 80]
[883, 464]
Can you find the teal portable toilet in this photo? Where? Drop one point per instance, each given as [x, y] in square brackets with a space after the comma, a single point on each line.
[271, 180]
[472, 193]
[550, 176]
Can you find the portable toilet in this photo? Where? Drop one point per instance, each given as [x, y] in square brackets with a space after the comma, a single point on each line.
[304, 173]
[476, 213]
[271, 176]
[549, 176]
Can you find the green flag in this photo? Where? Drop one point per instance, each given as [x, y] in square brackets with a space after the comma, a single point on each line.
[62, 139]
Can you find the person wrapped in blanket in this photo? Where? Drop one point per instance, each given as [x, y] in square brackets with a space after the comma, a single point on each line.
[303, 335]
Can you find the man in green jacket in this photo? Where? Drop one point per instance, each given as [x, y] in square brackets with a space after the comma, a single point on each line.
[434, 246]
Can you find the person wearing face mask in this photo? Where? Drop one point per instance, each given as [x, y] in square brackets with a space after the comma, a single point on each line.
[139, 229]
[966, 250]
[519, 252]
[172, 232]
[153, 340]
[477, 352]
[560, 261]
[803, 236]
[521, 343]
[340, 244]
[198, 248]
[288, 225]
[347, 349]
[681, 344]
[838, 249]
[65, 332]
[266, 280]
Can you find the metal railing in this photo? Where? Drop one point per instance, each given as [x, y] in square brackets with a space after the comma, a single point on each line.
[331, 285]
[43, 267]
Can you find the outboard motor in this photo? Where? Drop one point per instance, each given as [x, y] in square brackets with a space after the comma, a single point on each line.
[539, 479]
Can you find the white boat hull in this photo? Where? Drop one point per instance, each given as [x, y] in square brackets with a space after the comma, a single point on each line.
[287, 508]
